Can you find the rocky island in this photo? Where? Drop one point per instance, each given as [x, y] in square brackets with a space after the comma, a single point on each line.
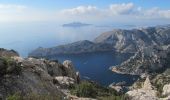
[76, 24]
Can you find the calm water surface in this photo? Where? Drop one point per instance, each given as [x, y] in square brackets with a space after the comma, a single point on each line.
[95, 66]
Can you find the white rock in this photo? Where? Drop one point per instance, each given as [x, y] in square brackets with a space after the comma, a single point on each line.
[63, 80]
[117, 88]
[147, 84]
[145, 93]
[166, 90]
[68, 64]
[18, 59]
[142, 94]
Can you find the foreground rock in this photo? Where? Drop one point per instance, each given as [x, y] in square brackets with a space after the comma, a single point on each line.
[33, 78]
[166, 90]
[144, 93]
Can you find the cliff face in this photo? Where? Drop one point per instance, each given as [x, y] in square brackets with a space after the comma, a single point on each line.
[34, 77]
[118, 40]
[147, 60]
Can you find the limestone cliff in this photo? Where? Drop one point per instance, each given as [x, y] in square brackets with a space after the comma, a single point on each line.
[147, 60]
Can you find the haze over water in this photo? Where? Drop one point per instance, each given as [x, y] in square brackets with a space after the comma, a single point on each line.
[24, 37]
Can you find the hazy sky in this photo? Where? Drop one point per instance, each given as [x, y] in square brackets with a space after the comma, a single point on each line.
[94, 11]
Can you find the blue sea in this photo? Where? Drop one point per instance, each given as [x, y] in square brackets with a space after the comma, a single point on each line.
[95, 66]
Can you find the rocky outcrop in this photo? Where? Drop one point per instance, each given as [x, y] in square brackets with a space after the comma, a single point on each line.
[144, 93]
[65, 81]
[120, 87]
[166, 90]
[34, 77]
[147, 60]
[147, 84]
[8, 53]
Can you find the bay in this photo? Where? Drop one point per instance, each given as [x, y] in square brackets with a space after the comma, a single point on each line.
[95, 66]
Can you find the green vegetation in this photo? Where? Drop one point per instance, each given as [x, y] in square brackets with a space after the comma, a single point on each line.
[92, 90]
[15, 96]
[8, 66]
[85, 89]
[32, 96]
[113, 97]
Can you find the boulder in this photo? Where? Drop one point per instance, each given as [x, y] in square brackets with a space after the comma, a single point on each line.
[147, 84]
[144, 93]
[141, 94]
[166, 90]
[68, 64]
[64, 81]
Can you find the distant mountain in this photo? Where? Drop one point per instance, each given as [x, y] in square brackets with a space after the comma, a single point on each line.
[76, 24]
[118, 40]
[72, 48]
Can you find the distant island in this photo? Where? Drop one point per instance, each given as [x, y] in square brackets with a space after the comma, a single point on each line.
[76, 24]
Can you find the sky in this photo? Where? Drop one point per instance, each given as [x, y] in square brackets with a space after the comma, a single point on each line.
[28, 24]
[90, 11]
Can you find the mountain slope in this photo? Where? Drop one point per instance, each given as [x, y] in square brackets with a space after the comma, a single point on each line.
[147, 60]
[72, 48]
[118, 40]
[132, 40]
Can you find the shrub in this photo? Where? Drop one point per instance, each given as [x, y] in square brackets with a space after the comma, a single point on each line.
[33, 96]
[15, 96]
[93, 90]
[9, 66]
[85, 89]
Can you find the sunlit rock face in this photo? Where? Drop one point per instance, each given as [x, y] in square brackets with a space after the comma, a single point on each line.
[166, 90]
[144, 93]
